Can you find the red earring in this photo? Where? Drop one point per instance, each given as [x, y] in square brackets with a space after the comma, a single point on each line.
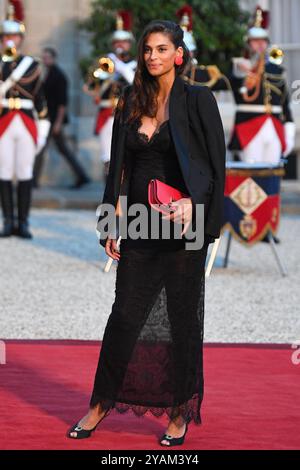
[178, 60]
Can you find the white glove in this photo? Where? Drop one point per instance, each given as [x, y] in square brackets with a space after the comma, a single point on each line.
[43, 128]
[290, 137]
[241, 67]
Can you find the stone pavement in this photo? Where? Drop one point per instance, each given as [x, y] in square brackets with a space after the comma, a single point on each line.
[88, 196]
[54, 286]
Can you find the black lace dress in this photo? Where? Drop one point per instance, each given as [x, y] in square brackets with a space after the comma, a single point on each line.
[153, 158]
[152, 351]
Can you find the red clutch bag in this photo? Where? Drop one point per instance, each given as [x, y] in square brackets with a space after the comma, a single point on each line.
[161, 196]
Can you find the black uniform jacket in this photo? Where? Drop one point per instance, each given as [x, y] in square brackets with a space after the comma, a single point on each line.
[28, 87]
[198, 137]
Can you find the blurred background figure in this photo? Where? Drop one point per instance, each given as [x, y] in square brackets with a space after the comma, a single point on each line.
[56, 93]
[23, 127]
[107, 78]
[264, 128]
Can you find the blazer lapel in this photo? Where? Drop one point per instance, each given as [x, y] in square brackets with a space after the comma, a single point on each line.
[178, 114]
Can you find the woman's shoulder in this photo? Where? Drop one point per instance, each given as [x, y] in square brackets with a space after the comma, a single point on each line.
[200, 96]
[127, 89]
[123, 98]
[198, 90]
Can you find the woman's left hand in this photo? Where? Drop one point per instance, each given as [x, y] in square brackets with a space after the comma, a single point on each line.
[183, 213]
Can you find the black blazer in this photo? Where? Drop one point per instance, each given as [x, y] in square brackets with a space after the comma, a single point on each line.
[198, 137]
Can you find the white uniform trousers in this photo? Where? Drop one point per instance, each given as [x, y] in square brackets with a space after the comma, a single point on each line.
[105, 137]
[264, 147]
[17, 152]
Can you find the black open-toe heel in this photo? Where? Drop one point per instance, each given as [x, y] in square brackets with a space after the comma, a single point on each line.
[84, 433]
[175, 441]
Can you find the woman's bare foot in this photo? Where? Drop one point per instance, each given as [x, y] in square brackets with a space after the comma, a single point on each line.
[176, 428]
[89, 421]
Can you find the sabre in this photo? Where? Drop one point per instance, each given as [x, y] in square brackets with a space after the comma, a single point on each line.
[212, 257]
[110, 260]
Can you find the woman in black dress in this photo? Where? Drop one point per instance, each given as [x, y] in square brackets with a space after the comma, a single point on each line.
[152, 350]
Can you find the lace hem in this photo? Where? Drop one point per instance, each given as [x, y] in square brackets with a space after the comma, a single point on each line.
[151, 357]
[190, 410]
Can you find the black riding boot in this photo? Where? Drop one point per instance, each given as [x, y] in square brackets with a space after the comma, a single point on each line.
[266, 239]
[6, 194]
[24, 203]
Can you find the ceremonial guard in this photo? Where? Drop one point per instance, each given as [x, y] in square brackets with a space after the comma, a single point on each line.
[264, 130]
[107, 79]
[22, 104]
[198, 74]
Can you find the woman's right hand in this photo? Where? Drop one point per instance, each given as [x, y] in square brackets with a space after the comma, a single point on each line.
[111, 249]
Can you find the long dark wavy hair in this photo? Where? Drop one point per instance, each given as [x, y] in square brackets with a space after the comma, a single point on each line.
[143, 97]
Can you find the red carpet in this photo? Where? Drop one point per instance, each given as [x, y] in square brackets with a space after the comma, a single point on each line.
[252, 400]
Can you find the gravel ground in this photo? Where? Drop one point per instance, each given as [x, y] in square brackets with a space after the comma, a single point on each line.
[54, 287]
